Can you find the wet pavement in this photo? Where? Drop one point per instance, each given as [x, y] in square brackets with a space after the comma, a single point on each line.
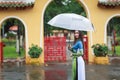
[58, 71]
[103, 72]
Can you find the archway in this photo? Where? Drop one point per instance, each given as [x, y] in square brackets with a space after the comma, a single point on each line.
[113, 40]
[13, 38]
[80, 3]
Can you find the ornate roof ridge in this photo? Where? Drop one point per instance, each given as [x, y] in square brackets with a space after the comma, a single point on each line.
[16, 4]
[26, 1]
[108, 3]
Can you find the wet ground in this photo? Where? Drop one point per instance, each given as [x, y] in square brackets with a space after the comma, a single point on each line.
[57, 71]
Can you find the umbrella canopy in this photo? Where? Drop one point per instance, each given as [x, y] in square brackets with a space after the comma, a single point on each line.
[13, 28]
[71, 21]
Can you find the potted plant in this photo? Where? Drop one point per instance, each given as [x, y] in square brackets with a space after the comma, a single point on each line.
[100, 51]
[35, 51]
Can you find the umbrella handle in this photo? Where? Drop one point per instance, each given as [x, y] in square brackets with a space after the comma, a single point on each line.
[69, 37]
[69, 46]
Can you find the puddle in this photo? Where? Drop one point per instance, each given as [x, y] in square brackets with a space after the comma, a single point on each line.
[21, 71]
[18, 71]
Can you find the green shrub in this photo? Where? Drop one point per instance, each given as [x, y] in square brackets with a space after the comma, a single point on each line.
[9, 42]
[100, 49]
[34, 51]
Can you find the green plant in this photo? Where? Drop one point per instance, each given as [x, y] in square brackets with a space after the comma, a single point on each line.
[11, 35]
[34, 51]
[9, 42]
[100, 49]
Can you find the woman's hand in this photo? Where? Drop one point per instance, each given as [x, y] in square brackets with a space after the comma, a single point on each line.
[71, 55]
[69, 47]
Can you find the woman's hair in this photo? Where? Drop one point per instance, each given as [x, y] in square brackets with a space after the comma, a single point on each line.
[80, 37]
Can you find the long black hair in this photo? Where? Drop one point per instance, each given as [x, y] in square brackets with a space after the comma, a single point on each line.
[80, 37]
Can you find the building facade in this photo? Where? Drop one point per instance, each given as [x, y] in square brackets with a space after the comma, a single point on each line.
[31, 14]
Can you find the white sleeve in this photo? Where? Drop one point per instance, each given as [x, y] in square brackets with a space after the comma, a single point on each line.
[81, 50]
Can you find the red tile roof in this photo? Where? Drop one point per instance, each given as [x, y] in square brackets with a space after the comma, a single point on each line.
[15, 4]
[109, 3]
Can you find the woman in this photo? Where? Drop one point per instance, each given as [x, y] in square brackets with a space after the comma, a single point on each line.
[78, 65]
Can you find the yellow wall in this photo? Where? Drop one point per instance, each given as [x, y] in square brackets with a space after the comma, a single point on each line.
[32, 19]
[99, 17]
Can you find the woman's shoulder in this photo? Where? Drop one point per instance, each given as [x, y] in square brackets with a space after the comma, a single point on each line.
[79, 41]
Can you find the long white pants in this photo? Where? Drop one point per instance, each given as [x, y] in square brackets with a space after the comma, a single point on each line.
[81, 68]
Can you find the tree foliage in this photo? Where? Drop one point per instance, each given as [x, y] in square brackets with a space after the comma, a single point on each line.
[114, 24]
[11, 22]
[61, 6]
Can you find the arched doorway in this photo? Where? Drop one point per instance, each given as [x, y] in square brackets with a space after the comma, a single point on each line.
[13, 38]
[63, 7]
[113, 35]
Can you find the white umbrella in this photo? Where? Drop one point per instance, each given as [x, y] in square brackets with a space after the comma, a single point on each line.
[71, 21]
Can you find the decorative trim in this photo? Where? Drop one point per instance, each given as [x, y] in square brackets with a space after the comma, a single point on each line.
[109, 3]
[18, 5]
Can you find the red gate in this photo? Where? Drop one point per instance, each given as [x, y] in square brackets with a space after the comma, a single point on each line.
[1, 52]
[85, 42]
[54, 49]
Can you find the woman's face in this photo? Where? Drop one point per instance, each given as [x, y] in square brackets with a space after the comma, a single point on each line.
[77, 34]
